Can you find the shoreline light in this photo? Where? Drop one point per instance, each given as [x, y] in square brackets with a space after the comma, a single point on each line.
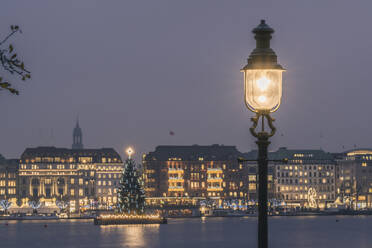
[124, 216]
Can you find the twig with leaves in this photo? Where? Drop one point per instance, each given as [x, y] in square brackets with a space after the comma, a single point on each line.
[11, 63]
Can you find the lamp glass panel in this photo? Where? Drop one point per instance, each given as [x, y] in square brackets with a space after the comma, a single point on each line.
[263, 89]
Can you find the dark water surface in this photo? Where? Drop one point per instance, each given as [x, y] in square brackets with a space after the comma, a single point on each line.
[290, 232]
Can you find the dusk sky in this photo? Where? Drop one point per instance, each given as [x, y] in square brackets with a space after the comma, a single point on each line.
[135, 70]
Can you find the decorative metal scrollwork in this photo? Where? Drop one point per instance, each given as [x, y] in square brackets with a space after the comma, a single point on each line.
[270, 121]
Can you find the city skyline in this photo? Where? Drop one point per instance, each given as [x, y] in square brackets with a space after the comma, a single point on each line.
[132, 83]
[123, 152]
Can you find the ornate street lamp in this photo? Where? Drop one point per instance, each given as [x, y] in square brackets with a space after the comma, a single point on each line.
[263, 93]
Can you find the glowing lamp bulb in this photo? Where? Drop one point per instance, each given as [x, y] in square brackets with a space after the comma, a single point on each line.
[263, 89]
[262, 99]
[263, 83]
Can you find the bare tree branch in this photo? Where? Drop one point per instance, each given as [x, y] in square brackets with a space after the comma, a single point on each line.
[10, 62]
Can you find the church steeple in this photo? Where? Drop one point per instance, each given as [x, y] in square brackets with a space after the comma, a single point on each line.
[77, 137]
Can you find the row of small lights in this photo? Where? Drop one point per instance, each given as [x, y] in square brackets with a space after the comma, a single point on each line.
[122, 216]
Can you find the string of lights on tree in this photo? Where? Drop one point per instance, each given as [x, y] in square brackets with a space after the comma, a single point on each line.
[131, 195]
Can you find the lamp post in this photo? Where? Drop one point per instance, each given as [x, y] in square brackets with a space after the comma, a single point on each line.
[263, 92]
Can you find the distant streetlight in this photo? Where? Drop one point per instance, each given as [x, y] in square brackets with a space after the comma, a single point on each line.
[263, 93]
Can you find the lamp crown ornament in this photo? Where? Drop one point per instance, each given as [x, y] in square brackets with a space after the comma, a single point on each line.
[263, 57]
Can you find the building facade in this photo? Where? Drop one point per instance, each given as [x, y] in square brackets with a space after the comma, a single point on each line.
[85, 178]
[194, 171]
[307, 180]
[354, 178]
[80, 176]
[9, 179]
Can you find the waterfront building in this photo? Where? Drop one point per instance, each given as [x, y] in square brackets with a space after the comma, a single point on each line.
[108, 174]
[194, 171]
[307, 180]
[251, 179]
[354, 178]
[83, 177]
[8, 179]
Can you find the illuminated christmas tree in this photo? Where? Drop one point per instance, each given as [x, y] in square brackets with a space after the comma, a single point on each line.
[131, 195]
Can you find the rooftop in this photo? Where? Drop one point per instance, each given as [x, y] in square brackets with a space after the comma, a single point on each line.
[51, 151]
[306, 155]
[194, 152]
[9, 164]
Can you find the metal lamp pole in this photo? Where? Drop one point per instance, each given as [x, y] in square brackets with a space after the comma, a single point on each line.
[262, 143]
[263, 92]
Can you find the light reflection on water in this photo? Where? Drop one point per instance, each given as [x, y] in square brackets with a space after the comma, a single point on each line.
[131, 235]
[288, 232]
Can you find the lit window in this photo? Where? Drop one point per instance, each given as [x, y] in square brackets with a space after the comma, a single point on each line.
[11, 183]
[80, 181]
[72, 192]
[85, 160]
[11, 191]
[252, 178]
[252, 186]
[81, 193]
